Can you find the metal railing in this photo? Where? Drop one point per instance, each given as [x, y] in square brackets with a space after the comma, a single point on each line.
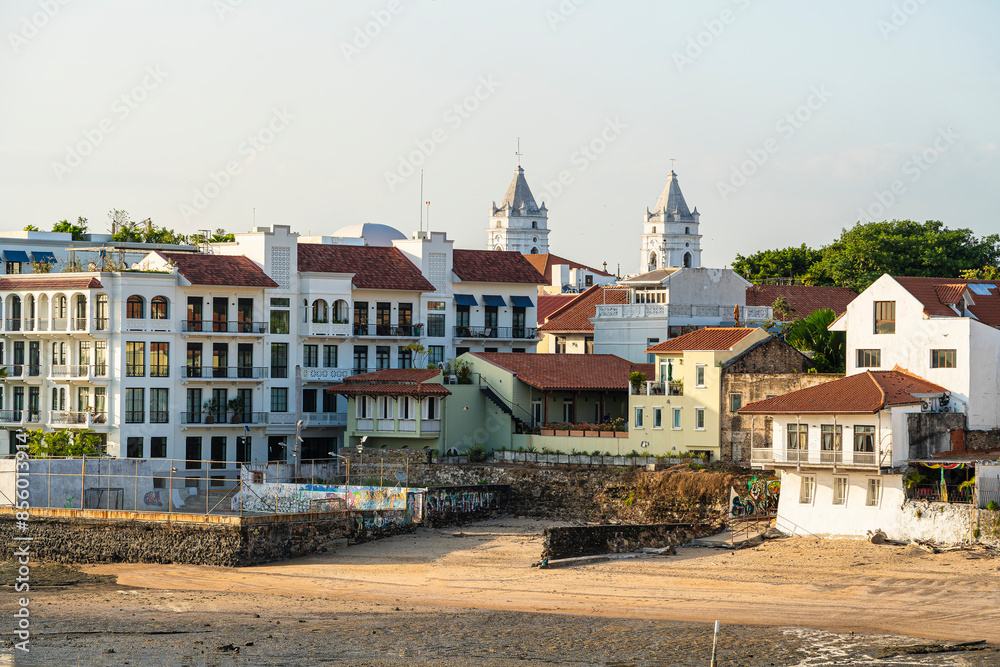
[325, 374]
[325, 418]
[388, 330]
[13, 324]
[778, 455]
[943, 494]
[339, 329]
[223, 418]
[512, 333]
[225, 372]
[69, 418]
[69, 371]
[135, 417]
[224, 326]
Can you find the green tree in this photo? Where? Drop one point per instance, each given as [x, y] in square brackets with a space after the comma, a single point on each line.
[794, 263]
[30, 228]
[218, 236]
[125, 230]
[984, 273]
[812, 334]
[77, 230]
[62, 443]
[904, 248]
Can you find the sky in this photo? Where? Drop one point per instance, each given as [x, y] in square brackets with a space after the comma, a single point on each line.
[785, 121]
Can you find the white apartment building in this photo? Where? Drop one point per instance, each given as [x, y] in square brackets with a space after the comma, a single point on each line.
[220, 354]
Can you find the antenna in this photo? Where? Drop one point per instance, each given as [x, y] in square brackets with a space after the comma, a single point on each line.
[421, 199]
[518, 151]
[672, 164]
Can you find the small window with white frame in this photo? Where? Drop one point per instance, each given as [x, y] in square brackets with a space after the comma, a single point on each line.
[638, 418]
[735, 402]
[944, 359]
[657, 417]
[807, 490]
[699, 375]
[676, 424]
[874, 496]
[699, 419]
[839, 490]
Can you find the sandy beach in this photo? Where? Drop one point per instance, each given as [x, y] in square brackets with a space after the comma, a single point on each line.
[447, 578]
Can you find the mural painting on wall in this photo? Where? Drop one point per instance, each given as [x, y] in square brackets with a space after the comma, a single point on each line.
[758, 500]
[152, 499]
[377, 498]
[446, 502]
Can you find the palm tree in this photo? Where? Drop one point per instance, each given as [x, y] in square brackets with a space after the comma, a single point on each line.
[813, 334]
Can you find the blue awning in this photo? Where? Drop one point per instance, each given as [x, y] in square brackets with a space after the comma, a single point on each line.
[521, 302]
[493, 300]
[466, 300]
[16, 255]
[43, 256]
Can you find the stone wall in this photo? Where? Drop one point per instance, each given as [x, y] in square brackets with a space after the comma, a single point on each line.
[982, 441]
[462, 504]
[930, 432]
[946, 523]
[576, 541]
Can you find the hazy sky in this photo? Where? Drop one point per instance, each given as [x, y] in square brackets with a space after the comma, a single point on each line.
[785, 118]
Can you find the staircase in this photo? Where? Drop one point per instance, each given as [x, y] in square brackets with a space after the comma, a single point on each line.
[493, 396]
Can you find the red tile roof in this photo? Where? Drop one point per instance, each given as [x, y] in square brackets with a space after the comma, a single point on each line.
[544, 264]
[805, 299]
[232, 270]
[494, 266]
[49, 281]
[575, 315]
[374, 267]
[864, 393]
[551, 372]
[709, 338]
[393, 382]
[935, 294]
[549, 303]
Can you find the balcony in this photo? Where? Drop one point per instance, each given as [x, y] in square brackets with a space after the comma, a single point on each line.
[820, 458]
[70, 419]
[223, 418]
[23, 371]
[325, 419]
[336, 330]
[224, 327]
[13, 324]
[251, 373]
[325, 374]
[19, 417]
[657, 389]
[157, 325]
[406, 427]
[387, 330]
[507, 333]
[643, 307]
[62, 372]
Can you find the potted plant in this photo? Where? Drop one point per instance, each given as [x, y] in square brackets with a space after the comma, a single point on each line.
[591, 431]
[237, 406]
[547, 429]
[562, 428]
[463, 370]
[577, 430]
[635, 378]
[211, 408]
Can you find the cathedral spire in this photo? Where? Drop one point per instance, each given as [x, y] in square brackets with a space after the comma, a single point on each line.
[671, 199]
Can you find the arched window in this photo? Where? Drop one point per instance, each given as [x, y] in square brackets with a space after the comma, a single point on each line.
[135, 308]
[158, 308]
[652, 261]
[80, 312]
[59, 307]
[687, 260]
[654, 230]
[319, 311]
[101, 313]
[534, 224]
[29, 307]
[498, 248]
[687, 230]
[534, 251]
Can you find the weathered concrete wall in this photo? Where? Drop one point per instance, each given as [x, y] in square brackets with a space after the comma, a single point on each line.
[461, 504]
[576, 541]
[982, 441]
[930, 432]
[948, 524]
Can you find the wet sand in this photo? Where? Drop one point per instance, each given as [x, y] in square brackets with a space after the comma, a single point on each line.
[434, 598]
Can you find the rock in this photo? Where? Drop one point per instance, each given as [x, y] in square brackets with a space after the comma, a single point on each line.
[225, 647]
[877, 536]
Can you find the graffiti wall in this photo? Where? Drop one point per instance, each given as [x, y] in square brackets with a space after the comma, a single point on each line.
[449, 504]
[758, 500]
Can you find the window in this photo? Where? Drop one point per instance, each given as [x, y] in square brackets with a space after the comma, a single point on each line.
[280, 303]
[807, 489]
[193, 452]
[362, 407]
[657, 417]
[59, 307]
[244, 315]
[798, 436]
[435, 321]
[536, 410]
[874, 492]
[406, 407]
[943, 359]
[588, 344]
[135, 400]
[869, 358]
[885, 317]
[360, 318]
[158, 308]
[194, 313]
[650, 357]
[279, 360]
[831, 443]
[462, 319]
[319, 311]
[134, 307]
[839, 490]
[135, 359]
[159, 366]
[568, 410]
[699, 375]
[735, 402]
[383, 326]
[405, 319]
[158, 447]
[133, 448]
[435, 354]
[381, 357]
[405, 359]
[699, 419]
[676, 424]
[218, 452]
[13, 267]
[159, 408]
[309, 400]
[329, 356]
[560, 344]
[329, 401]
[588, 280]
[279, 399]
[310, 356]
[243, 449]
[638, 418]
[385, 407]
[220, 360]
[864, 441]
[279, 321]
[220, 313]
[360, 358]
[101, 313]
[431, 408]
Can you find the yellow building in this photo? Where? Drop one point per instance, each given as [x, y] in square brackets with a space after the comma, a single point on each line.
[678, 410]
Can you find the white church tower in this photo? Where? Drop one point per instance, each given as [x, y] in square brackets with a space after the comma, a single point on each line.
[670, 235]
[518, 223]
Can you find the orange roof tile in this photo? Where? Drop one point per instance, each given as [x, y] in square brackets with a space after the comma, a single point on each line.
[551, 372]
[805, 299]
[494, 266]
[232, 270]
[709, 338]
[575, 315]
[864, 393]
[49, 281]
[374, 267]
[393, 382]
[549, 303]
[927, 292]
[545, 262]
[396, 375]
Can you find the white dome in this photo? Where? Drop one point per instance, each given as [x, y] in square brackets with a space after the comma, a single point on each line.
[373, 233]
